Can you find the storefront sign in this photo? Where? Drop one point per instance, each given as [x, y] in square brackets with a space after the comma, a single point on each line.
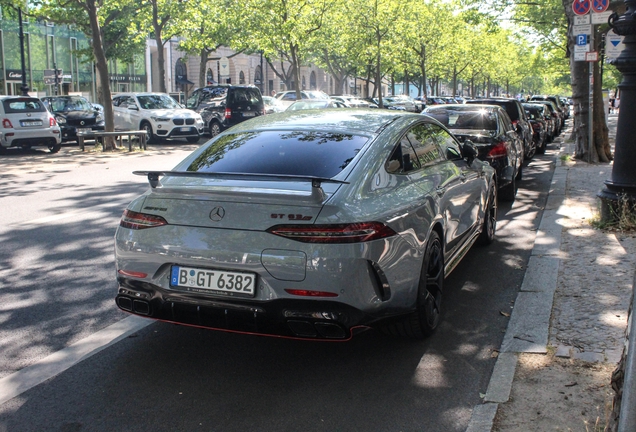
[127, 78]
[14, 75]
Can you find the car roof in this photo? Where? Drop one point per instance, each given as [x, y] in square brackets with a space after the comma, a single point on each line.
[356, 121]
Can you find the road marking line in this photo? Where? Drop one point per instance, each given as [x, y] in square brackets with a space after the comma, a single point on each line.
[56, 363]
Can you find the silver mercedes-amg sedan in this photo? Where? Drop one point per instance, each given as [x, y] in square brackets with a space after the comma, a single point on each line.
[311, 224]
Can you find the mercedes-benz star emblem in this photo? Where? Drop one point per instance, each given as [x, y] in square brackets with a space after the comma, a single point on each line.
[217, 214]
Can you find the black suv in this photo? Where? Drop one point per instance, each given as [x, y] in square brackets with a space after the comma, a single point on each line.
[222, 106]
[519, 120]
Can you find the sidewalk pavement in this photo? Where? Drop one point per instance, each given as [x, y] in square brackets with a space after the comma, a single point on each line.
[567, 329]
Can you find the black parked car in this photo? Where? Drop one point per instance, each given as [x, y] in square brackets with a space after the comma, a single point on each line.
[519, 120]
[222, 106]
[74, 114]
[537, 114]
[490, 129]
[556, 105]
[557, 116]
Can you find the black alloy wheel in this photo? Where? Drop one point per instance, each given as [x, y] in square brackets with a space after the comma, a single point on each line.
[508, 192]
[531, 150]
[489, 226]
[424, 320]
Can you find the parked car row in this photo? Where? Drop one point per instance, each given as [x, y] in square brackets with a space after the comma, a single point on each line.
[213, 109]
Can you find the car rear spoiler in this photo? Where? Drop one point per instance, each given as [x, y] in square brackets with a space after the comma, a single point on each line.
[317, 192]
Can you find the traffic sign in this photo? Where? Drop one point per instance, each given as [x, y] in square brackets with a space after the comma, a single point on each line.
[582, 29]
[600, 17]
[581, 19]
[581, 7]
[581, 39]
[600, 5]
[591, 56]
[613, 45]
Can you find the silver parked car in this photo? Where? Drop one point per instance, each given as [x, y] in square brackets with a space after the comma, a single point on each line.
[25, 122]
[307, 224]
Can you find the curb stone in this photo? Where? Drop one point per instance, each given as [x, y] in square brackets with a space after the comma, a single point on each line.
[529, 326]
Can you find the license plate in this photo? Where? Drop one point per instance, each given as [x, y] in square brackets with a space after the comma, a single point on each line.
[213, 281]
[83, 130]
[185, 129]
[31, 123]
[249, 114]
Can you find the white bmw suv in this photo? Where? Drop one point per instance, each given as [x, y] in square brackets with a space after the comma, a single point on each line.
[158, 114]
[25, 122]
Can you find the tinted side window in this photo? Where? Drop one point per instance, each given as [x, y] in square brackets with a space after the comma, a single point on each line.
[448, 145]
[423, 138]
[193, 100]
[403, 159]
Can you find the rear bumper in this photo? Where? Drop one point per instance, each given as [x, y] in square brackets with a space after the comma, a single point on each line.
[289, 318]
[31, 139]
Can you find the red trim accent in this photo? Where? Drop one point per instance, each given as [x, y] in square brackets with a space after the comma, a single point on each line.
[361, 327]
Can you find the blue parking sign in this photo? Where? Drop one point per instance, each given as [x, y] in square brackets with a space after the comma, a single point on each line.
[581, 40]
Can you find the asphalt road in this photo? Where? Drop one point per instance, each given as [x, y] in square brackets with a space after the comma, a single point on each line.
[57, 285]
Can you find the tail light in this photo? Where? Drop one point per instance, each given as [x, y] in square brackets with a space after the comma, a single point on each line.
[498, 150]
[6, 123]
[228, 113]
[52, 122]
[136, 221]
[338, 233]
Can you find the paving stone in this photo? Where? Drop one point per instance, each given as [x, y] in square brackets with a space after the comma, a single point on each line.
[563, 351]
[590, 357]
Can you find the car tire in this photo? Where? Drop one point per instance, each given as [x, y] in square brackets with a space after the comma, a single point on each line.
[193, 140]
[489, 226]
[532, 150]
[215, 128]
[541, 148]
[424, 320]
[508, 192]
[150, 137]
[55, 148]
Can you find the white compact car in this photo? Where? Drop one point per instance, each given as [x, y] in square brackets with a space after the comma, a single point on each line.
[158, 114]
[25, 122]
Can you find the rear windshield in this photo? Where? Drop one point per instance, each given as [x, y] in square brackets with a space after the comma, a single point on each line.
[301, 153]
[244, 96]
[478, 120]
[21, 105]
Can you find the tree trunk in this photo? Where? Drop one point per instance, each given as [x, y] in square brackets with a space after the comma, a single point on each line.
[101, 66]
[296, 66]
[203, 67]
[160, 57]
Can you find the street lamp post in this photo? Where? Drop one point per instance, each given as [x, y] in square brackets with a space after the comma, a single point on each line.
[24, 88]
[621, 187]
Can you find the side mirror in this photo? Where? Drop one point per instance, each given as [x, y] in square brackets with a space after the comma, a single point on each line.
[133, 107]
[468, 151]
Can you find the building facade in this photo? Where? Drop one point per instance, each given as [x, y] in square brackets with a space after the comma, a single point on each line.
[49, 48]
